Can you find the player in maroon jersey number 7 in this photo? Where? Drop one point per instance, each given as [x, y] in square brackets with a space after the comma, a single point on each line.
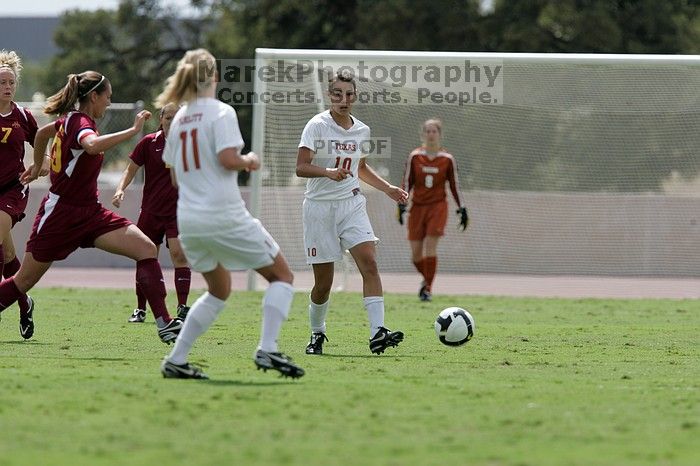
[428, 168]
[158, 216]
[71, 216]
[17, 126]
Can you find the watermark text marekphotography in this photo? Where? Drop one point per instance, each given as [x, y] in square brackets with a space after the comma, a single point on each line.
[463, 82]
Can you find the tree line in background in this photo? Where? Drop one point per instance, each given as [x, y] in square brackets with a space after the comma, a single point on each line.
[138, 44]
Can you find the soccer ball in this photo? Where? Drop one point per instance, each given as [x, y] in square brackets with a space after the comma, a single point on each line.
[454, 326]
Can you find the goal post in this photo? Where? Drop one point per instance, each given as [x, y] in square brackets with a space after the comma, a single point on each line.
[569, 163]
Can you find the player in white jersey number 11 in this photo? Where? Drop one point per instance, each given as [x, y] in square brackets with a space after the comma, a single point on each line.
[217, 232]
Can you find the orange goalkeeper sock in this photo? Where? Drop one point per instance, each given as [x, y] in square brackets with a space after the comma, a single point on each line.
[430, 265]
[420, 267]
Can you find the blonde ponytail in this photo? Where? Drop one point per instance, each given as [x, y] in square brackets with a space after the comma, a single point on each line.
[195, 72]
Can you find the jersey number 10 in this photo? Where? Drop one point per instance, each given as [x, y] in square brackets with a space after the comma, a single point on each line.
[195, 149]
[347, 163]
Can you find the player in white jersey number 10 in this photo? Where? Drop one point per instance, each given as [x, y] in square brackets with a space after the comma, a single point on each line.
[334, 212]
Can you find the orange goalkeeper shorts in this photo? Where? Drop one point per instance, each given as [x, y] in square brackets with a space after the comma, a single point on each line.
[427, 220]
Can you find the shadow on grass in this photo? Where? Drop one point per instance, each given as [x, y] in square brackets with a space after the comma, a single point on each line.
[94, 359]
[244, 383]
[70, 358]
[24, 342]
[367, 356]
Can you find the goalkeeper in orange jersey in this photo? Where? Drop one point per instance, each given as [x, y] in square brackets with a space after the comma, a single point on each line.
[428, 168]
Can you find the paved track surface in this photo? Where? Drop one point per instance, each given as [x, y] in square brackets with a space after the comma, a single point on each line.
[485, 284]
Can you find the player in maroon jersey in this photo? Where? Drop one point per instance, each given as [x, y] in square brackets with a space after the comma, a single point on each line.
[17, 126]
[158, 216]
[428, 169]
[71, 216]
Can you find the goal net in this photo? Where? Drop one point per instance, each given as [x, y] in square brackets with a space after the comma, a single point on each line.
[569, 164]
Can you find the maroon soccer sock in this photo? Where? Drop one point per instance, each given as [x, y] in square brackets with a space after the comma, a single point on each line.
[8, 293]
[10, 270]
[140, 298]
[430, 265]
[149, 277]
[183, 276]
[420, 266]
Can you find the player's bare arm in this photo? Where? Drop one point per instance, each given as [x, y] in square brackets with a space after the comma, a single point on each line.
[41, 141]
[127, 178]
[231, 159]
[305, 169]
[369, 176]
[94, 144]
[43, 171]
[173, 176]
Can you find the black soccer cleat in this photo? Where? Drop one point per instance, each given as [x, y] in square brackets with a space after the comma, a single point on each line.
[315, 345]
[181, 371]
[169, 333]
[423, 293]
[279, 362]
[138, 316]
[26, 321]
[182, 311]
[383, 339]
[426, 296]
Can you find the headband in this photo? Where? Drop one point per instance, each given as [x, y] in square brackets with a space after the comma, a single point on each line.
[94, 87]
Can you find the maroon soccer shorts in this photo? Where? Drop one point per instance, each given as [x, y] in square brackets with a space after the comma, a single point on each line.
[14, 201]
[61, 228]
[157, 226]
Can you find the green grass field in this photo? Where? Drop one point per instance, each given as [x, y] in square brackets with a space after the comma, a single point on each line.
[544, 381]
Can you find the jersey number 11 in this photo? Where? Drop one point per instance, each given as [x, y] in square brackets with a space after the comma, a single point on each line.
[195, 149]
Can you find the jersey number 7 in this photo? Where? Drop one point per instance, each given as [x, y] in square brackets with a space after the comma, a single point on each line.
[195, 149]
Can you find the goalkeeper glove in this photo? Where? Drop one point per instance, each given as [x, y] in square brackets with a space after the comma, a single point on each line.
[400, 212]
[463, 217]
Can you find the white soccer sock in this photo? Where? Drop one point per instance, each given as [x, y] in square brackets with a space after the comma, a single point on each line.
[317, 316]
[202, 314]
[375, 313]
[276, 304]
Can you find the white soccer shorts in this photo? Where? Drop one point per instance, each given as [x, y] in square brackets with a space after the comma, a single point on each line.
[243, 247]
[331, 227]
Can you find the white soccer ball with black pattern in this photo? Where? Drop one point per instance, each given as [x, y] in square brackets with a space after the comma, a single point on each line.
[454, 326]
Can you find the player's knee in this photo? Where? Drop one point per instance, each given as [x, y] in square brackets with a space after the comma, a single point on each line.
[147, 249]
[368, 265]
